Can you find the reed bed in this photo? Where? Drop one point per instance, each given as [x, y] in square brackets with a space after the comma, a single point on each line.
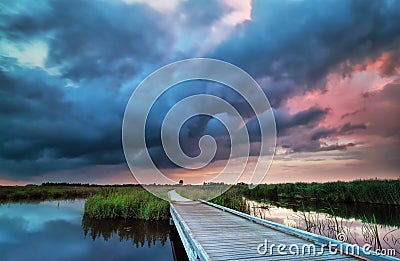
[233, 200]
[126, 203]
[358, 191]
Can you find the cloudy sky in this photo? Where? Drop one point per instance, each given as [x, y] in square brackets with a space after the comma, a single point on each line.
[331, 70]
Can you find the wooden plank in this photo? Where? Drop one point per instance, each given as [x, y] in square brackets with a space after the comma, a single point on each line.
[225, 235]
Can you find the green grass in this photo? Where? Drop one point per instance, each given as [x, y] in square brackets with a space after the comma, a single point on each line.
[40, 193]
[205, 192]
[359, 191]
[102, 202]
[371, 232]
[232, 199]
[126, 203]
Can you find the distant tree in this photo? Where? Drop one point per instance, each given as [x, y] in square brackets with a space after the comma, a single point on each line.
[181, 182]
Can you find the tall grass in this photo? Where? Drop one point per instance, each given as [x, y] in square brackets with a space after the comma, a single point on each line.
[232, 199]
[205, 192]
[359, 191]
[370, 232]
[331, 226]
[126, 203]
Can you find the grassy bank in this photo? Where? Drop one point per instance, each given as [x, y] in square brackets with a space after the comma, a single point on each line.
[126, 203]
[40, 193]
[102, 202]
[360, 191]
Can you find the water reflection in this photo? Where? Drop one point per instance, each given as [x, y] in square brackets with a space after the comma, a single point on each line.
[377, 225]
[140, 232]
[55, 230]
[384, 214]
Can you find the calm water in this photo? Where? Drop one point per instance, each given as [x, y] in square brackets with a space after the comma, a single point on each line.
[354, 222]
[55, 230]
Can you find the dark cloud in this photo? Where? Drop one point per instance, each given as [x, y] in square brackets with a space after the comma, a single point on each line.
[196, 127]
[348, 127]
[323, 133]
[352, 113]
[291, 46]
[105, 48]
[45, 127]
[391, 63]
[377, 118]
[312, 137]
[301, 139]
[337, 147]
[289, 127]
[310, 117]
[93, 39]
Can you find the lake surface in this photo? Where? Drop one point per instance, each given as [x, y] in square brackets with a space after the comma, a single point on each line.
[356, 224]
[55, 230]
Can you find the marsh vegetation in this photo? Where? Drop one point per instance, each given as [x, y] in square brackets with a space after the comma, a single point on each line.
[126, 203]
[359, 191]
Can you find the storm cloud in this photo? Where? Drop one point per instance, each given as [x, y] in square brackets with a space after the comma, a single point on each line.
[66, 112]
[290, 46]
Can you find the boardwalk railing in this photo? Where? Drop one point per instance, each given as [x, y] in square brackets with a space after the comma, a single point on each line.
[316, 239]
[193, 248]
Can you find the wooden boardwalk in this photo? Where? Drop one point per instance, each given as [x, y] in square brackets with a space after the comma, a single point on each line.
[212, 232]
